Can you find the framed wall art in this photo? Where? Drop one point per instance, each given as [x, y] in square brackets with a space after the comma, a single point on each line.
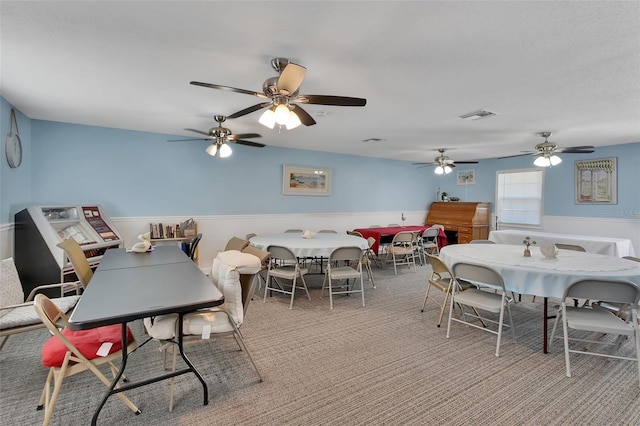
[596, 181]
[466, 177]
[302, 180]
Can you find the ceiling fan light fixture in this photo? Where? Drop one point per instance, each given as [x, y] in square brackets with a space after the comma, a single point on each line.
[268, 119]
[546, 160]
[225, 150]
[439, 170]
[212, 149]
[555, 160]
[447, 169]
[282, 114]
[293, 122]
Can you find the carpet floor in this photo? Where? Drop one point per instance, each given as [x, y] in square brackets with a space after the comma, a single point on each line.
[383, 364]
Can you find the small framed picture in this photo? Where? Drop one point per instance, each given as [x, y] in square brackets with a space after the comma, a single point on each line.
[302, 180]
[466, 177]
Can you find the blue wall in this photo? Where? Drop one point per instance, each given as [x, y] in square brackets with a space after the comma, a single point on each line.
[142, 174]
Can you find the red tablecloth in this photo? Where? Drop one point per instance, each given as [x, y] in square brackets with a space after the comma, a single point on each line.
[378, 233]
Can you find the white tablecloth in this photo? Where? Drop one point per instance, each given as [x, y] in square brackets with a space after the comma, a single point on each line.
[618, 247]
[320, 245]
[538, 275]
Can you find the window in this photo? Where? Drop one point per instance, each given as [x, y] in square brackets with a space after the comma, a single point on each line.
[519, 197]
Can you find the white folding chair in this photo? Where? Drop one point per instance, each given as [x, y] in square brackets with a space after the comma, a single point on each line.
[290, 270]
[345, 263]
[597, 319]
[497, 303]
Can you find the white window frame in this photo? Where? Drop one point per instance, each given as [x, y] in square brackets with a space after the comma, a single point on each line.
[504, 218]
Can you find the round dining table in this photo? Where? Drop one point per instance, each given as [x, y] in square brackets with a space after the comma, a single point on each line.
[308, 244]
[538, 275]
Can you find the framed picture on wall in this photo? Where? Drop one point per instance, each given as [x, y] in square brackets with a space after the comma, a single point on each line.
[596, 181]
[302, 180]
[466, 177]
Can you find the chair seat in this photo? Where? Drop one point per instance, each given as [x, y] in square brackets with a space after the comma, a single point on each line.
[287, 272]
[487, 301]
[26, 315]
[400, 250]
[597, 320]
[344, 272]
[86, 341]
[164, 326]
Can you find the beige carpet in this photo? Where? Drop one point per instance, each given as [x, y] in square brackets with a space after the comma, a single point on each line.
[386, 363]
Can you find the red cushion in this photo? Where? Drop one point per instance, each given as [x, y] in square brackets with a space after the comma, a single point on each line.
[86, 341]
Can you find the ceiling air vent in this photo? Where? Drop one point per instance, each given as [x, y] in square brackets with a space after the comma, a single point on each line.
[477, 115]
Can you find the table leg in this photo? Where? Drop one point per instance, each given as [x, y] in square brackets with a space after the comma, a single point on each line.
[545, 317]
[116, 379]
[186, 360]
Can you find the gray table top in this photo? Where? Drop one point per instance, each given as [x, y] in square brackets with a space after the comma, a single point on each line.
[143, 288]
[161, 255]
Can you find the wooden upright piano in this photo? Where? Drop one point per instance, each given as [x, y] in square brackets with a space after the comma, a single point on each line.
[463, 221]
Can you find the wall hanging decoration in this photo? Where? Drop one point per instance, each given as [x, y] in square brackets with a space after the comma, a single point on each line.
[302, 180]
[596, 181]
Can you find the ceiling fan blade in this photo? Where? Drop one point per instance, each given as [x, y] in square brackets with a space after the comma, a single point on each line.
[518, 155]
[184, 140]
[465, 162]
[198, 131]
[229, 88]
[331, 100]
[577, 150]
[249, 110]
[291, 78]
[248, 143]
[303, 115]
[244, 136]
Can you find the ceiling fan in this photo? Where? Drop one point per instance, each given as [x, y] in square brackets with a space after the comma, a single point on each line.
[282, 94]
[444, 164]
[546, 152]
[220, 136]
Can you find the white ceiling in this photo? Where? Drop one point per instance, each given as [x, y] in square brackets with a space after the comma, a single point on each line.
[572, 68]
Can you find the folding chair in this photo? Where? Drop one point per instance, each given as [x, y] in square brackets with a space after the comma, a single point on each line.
[61, 353]
[401, 251]
[481, 277]
[442, 279]
[289, 270]
[341, 268]
[599, 320]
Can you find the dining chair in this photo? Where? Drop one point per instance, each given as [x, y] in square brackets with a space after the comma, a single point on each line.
[293, 231]
[78, 260]
[250, 236]
[233, 273]
[69, 352]
[345, 263]
[284, 265]
[236, 243]
[327, 231]
[401, 251]
[482, 277]
[369, 257]
[355, 234]
[17, 314]
[594, 318]
[442, 279]
[193, 245]
[428, 242]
